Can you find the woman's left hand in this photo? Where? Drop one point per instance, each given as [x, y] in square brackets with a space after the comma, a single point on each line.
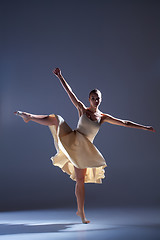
[150, 128]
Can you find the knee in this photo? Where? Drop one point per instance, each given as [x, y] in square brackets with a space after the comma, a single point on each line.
[52, 120]
[80, 175]
[80, 180]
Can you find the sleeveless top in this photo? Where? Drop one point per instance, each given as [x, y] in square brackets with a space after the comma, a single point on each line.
[88, 127]
[75, 148]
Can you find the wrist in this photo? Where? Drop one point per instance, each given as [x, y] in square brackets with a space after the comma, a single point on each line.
[60, 76]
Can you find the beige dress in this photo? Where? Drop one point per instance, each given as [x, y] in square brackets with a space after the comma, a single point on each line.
[76, 148]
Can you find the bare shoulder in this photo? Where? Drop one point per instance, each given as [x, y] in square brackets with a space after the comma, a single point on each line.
[81, 108]
[105, 117]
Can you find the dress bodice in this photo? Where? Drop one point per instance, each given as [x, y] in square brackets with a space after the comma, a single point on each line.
[88, 127]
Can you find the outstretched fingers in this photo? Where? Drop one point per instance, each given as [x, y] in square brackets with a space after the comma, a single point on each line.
[150, 128]
[57, 71]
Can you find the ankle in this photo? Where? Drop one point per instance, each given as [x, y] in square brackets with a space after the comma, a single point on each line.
[26, 117]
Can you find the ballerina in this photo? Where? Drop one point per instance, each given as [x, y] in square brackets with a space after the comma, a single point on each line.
[76, 153]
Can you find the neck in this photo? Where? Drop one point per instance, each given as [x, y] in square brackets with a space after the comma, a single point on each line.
[93, 109]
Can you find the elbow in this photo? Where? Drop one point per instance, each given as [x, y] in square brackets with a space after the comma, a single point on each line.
[126, 122]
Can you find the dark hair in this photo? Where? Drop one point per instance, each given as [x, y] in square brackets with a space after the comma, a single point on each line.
[95, 91]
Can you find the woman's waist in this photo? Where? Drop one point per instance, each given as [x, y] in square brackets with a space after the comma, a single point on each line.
[88, 134]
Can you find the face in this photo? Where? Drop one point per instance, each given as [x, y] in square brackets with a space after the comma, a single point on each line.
[95, 99]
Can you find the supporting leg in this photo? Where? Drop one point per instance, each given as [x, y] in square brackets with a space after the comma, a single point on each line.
[80, 193]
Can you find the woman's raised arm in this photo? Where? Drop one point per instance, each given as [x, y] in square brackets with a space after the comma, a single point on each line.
[77, 103]
[125, 123]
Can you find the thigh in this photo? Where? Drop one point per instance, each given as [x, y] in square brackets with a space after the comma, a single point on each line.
[80, 174]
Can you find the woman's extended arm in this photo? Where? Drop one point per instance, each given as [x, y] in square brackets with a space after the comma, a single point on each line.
[125, 123]
[77, 103]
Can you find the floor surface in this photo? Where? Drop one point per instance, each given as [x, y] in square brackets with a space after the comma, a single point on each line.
[111, 224]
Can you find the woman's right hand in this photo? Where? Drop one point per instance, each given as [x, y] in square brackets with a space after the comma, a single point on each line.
[57, 72]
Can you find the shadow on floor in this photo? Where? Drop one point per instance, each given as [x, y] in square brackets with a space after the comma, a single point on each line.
[8, 229]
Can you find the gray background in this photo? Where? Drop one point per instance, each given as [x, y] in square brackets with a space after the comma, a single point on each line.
[110, 45]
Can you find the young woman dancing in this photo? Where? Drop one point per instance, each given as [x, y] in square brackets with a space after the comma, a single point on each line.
[76, 153]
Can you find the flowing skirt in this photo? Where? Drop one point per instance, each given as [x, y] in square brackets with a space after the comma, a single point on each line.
[74, 149]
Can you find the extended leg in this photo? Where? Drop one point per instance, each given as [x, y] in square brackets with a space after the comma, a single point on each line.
[80, 193]
[46, 120]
